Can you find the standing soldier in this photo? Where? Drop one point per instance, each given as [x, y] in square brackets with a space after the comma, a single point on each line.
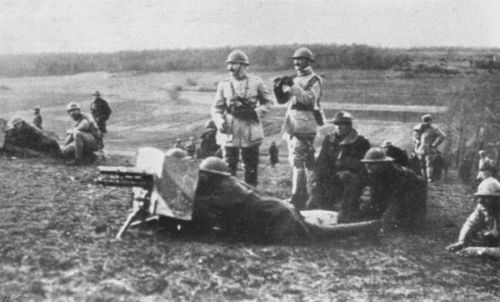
[100, 112]
[240, 103]
[273, 154]
[302, 118]
[37, 120]
[427, 138]
[191, 147]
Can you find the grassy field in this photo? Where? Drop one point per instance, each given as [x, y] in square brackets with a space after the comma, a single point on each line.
[57, 225]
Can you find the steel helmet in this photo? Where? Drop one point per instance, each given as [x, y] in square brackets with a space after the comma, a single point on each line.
[72, 106]
[488, 187]
[386, 144]
[14, 121]
[303, 52]
[376, 155]
[37, 108]
[210, 124]
[237, 56]
[215, 165]
[342, 117]
[176, 152]
[426, 118]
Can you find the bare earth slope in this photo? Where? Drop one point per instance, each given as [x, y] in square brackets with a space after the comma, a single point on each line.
[56, 244]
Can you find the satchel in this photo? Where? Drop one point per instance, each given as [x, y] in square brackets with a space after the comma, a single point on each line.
[302, 122]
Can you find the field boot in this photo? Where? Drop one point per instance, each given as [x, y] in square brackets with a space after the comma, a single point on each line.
[299, 192]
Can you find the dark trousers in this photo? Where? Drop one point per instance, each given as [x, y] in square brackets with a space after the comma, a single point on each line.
[250, 158]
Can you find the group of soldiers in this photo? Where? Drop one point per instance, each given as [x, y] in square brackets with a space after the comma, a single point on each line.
[82, 140]
[347, 166]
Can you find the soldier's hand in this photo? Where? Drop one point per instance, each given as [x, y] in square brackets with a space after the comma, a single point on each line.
[471, 251]
[455, 246]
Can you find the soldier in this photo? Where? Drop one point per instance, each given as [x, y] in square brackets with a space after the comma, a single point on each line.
[178, 144]
[83, 139]
[482, 227]
[37, 119]
[397, 195]
[24, 135]
[397, 154]
[303, 92]
[208, 143]
[191, 147]
[484, 160]
[100, 112]
[240, 211]
[340, 175]
[273, 154]
[240, 103]
[427, 138]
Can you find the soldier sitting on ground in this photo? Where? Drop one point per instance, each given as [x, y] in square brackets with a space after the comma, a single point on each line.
[397, 195]
[82, 140]
[397, 154]
[339, 175]
[241, 212]
[24, 135]
[480, 234]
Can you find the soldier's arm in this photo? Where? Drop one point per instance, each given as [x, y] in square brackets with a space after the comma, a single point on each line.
[265, 97]
[472, 224]
[84, 125]
[307, 96]
[440, 138]
[219, 107]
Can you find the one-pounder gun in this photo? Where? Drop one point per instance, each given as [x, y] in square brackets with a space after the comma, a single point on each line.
[161, 186]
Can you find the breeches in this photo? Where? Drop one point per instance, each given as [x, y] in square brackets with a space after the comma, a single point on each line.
[83, 143]
[250, 158]
[301, 151]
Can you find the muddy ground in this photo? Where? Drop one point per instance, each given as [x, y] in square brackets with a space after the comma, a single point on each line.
[57, 244]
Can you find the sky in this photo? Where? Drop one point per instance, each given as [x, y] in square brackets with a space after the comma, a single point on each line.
[41, 26]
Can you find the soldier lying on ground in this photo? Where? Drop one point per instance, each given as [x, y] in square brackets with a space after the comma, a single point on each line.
[243, 213]
[398, 195]
[23, 135]
[480, 233]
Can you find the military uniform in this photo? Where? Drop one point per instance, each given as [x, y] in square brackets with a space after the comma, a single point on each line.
[100, 112]
[238, 108]
[84, 139]
[37, 120]
[427, 138]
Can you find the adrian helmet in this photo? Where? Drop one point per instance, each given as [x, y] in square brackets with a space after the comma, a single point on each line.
[72, 106]
[426, 118]
[376, 155]
[210, 124]
[215, 165]
[488, 187]
[342, 117]
[303, 52]
[238, 56]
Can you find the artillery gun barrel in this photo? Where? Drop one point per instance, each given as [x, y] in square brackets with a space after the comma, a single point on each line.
[124, 177]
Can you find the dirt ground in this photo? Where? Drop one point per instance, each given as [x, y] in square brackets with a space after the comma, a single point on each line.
[57, 244]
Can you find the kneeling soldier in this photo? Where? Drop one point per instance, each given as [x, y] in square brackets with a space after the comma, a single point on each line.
[398, 195]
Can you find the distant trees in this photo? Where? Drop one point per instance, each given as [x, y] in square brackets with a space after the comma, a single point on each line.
[275, 57]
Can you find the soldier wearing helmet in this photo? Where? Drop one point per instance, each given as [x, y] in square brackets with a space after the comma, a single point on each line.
[303, 93]
[427, 138]
[208, 142]
[241, 102]
[482, 227]
[83, 139]
[399, 155]
[339, 174]
[397, 195]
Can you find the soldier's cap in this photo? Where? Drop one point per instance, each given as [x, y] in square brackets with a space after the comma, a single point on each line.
[488, 187]
[96, 93]
[14, 121]
[426, 118]
[376, 155]
[386, 144]
[37, 108]
[341, 117]
[210, 124]
[72, 106]
[482, 152]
